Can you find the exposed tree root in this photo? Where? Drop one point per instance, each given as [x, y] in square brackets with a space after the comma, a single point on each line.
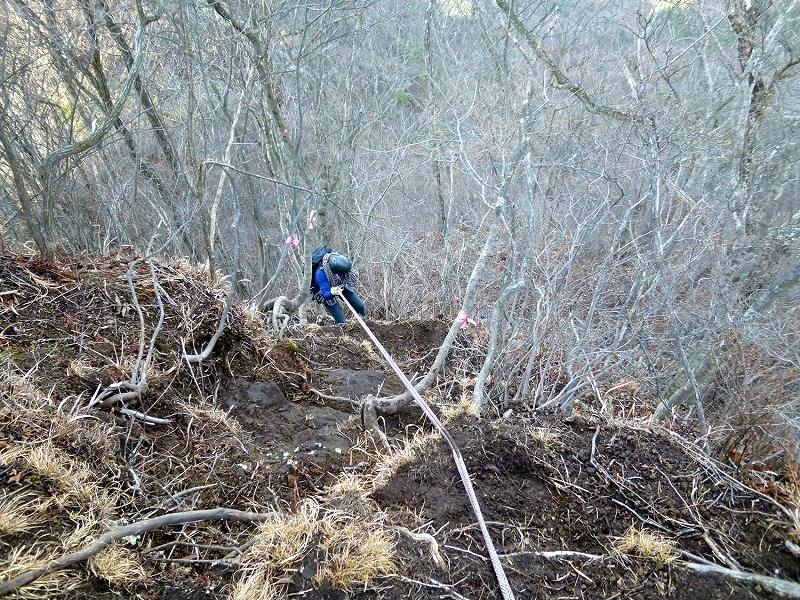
[369, 419]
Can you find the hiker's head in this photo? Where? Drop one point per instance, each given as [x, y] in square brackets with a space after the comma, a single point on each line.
[340, 264]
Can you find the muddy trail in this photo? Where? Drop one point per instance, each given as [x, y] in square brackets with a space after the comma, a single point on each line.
[582, 508]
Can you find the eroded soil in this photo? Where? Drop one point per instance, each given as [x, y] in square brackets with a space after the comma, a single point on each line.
[266, 423]
[544, 493]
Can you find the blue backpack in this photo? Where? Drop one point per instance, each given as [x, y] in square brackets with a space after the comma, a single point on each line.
[316, 261]
[319, 254]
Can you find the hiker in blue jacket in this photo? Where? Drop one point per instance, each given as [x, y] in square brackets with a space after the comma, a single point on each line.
[333, 276]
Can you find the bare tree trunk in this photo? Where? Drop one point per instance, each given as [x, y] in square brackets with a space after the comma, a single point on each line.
[479, 396]
[228, 158]
[223, 320]
[32, 224]
[52, 160]
[744, 18]
[158, 127]
[391, 405]
[780, 288]
[100, 82]
[561, 79]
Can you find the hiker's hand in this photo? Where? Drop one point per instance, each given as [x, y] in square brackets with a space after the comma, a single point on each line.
[337, 290]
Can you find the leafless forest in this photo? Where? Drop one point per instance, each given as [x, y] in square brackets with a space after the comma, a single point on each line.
[576, 226]
[609, 189]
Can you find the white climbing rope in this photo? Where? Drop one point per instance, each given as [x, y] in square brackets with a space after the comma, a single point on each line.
[502, 580]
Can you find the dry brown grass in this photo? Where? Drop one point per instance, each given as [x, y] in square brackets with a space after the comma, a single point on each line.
[356, 550]
[214, 418]
[258, 584]
[647, 544]
[82, 367]
[87, 530]
[117, 565]
[21, 513]
[350, 484]
[404, 455]
[49, 461]
[284, 538]
[23, 409]
[546, 438]
[97, 437]
[36, 418]
[54, 585]
[369, 350]
[464, 406]
[74, 481]
[789, 490]
[356, 554]
[626, 385]
[350, 495]
[192, 270]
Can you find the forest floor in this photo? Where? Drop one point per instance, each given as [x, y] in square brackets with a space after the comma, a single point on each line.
[586, 507]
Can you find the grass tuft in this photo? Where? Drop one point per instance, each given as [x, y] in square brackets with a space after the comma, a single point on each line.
[351, 496]
[403, 456]
[350, 488]
[284, 538]
[72, 480]
[53, 585]
[214, 417]
[355, 554]
[97, 438]
[82, 535]
[544, 437]
[48, 461]
[465, 406]
[257, 585]
[354, 549]
[369, 350]
[21, 513]
[647, 544]
[117, 565]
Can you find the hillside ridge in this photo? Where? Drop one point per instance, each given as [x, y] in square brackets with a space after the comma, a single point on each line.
[585, 507]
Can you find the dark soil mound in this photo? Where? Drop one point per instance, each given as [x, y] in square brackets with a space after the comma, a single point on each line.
[549, 486]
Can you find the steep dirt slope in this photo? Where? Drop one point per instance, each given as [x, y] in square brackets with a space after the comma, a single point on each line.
[584, 487]
[271, 427]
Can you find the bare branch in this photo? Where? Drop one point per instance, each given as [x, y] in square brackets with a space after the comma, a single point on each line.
[138, 528]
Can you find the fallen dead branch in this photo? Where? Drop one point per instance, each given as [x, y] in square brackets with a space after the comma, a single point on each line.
[557, 554]
[138, 528]
[117, 393]
[135, 414]
[428, 540]
[792, 547]
[787, 589]
[338, 402]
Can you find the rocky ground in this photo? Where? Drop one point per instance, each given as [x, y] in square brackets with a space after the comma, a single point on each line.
[584, 508]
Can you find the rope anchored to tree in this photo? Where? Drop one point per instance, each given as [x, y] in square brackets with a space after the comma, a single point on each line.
[499, 572]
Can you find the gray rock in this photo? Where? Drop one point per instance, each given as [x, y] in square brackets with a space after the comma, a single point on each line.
[257, 393]
[353, 384]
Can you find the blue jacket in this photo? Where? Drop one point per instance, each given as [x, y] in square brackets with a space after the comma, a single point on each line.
[321, 280]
